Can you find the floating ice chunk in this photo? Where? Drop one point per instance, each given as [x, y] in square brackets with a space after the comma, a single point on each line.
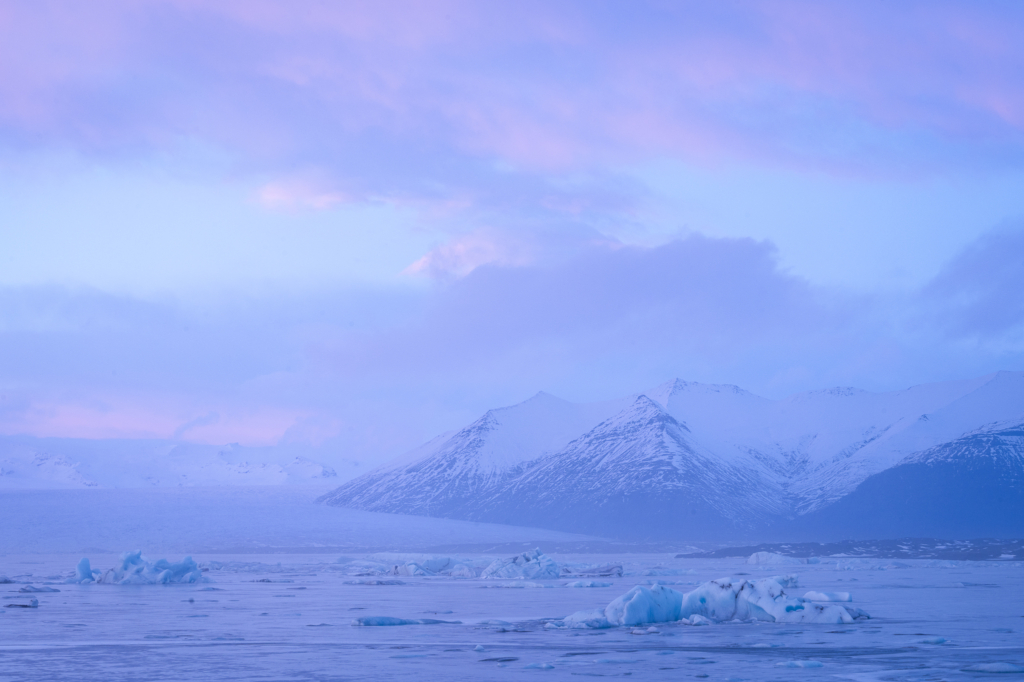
[828, 596]
[531, 565]
[588, 583]
[788, 581]
[593, 570]
[478, 647]
[933, 640]
[661, 570]
[801, 664]
[462, 571]
[134, 570]
[379, 621]
[32, 604]
[4, 580]
[33, 588]
[772, 559]
[994, 668]
[518, 585]
[410, 569]
[374, 582]
[540, 666]
[593, 619]
[697, 619]
[83, 572]
[717, 600]
[655, 604]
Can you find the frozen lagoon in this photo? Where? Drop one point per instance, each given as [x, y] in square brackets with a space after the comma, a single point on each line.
[289, 617]
[279, 614]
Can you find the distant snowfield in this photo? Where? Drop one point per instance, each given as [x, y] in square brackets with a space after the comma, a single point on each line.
[229, 518]
[52, 463]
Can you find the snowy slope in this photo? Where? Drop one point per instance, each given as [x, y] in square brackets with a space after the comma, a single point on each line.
[728, 456]
[968, 487]
[446, 477]
[822, 444]
[640, 469]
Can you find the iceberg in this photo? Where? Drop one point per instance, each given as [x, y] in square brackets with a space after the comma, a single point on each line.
[528, 565]
[716, 601]
[772, 559]
[593, 571]
[134, 570]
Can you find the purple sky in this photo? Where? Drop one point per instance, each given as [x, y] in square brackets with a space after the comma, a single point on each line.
[361, 224]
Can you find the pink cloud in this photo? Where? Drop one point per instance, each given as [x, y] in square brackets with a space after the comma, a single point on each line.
[295, 193]
[108, 415]
[542, 86]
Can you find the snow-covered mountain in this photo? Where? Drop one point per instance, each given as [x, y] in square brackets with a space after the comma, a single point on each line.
[449, 475]
[695, 460]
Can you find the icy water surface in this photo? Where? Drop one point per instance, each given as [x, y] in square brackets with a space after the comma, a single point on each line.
[289, 617]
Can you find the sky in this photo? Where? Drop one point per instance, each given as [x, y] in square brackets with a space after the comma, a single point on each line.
[357, 225]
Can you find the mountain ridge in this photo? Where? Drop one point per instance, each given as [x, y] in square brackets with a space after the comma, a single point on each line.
[744, 463]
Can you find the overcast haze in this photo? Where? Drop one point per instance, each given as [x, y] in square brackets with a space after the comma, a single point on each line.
[363, 224]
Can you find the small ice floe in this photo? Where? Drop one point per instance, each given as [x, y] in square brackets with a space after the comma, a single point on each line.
[384, 621]
[32, 604]
[593, 570]
[374, 582]
[479, 647]
[4, 580]
[649, 631]
[519, 585]
[134, 570]
[662, 570]
[42, 588]
[801, 664]
[588, 583]
[718, 600]
[539, 666]
[933, 640]
[528, 565]
[994, 668]
[828, 596]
